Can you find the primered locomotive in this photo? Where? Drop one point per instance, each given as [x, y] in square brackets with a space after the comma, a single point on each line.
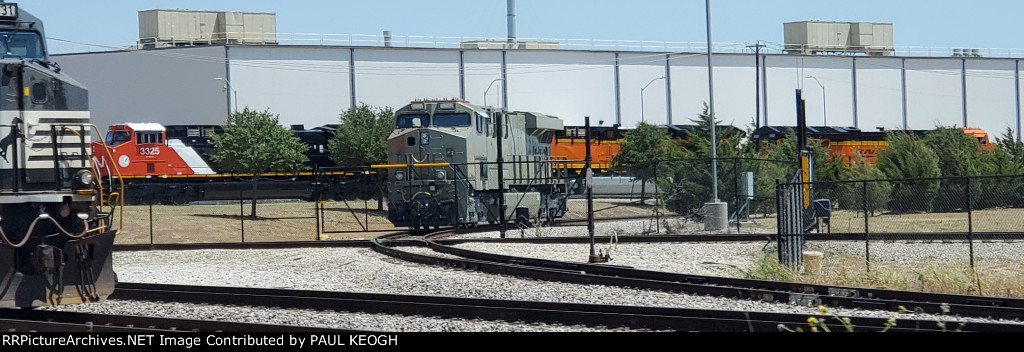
[445, 167]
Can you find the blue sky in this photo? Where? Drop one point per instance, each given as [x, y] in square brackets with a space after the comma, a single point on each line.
[975, 24]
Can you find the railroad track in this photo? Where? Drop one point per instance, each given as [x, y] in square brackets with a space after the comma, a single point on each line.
[612, 316]
[26, 320]
[791, 293]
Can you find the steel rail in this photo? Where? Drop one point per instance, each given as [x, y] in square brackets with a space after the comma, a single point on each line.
[791, 293]
[52, 321]
[634, 317]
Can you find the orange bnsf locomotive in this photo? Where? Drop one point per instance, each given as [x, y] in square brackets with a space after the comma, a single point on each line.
[570, 144]
[55, 226]
[850, 141]
[173, 165]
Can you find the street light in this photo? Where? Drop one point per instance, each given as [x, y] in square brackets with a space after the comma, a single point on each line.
[226, 87]
[824, 114]
[642, 96]
[489, 89]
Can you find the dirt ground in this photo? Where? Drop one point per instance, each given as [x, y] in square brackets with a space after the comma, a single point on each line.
[290, 221]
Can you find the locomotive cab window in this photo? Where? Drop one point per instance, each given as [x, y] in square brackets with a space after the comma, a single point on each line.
[26, 45]
[480, 121]
[149, 138]
[116, 138]
[39, 93]
[442, 119]
[412, 121]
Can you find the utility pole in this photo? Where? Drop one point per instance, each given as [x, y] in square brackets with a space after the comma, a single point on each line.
[757, 82]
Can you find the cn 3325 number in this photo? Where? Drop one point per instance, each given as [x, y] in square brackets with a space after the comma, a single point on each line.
[149, 151]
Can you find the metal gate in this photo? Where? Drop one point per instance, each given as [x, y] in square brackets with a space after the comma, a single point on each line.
[792, 221]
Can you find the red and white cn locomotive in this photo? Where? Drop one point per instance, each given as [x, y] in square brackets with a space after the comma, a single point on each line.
[172, 165]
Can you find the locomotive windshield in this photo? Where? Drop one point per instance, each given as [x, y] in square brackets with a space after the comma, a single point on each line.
[115, 138]
[25, 45]
[451, 120]
[412, 120]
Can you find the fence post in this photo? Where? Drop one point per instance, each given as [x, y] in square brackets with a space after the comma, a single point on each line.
[241, 213]
[736, 192]
[316, 215]
[778, 218]
[867, 241]
[970, 221]
[657, 199]
[150, 223]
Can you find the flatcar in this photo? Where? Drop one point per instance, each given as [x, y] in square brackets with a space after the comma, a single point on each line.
[173, 165]
[55, 223]
[443, 166]
[848, 142]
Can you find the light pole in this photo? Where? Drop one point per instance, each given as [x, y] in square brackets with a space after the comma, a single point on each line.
[226, 87]
[711, 108]
[824, 114]
[642, 96]
[489, 88]
[717, 212]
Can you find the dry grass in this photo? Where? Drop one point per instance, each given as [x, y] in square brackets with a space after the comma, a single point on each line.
[1000, 278]
[287, 221]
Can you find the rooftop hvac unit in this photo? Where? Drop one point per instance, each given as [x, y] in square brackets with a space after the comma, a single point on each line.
[167, 28]
[819, 37]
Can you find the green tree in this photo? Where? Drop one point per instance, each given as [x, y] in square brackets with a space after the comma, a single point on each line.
[692, 183]
[959, 155]
[783, 164]
[906, 158]
[852, 194]
[1013, 148]
[253, 142]
[362, 137]
[362, 140]
[1006, 158]
[648, 154]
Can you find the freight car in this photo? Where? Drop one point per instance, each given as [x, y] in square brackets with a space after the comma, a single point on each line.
[850, 141]
[452, 163]
[173, 165]
[55, 229]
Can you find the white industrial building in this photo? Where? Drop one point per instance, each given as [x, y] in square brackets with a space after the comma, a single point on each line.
[312, 84]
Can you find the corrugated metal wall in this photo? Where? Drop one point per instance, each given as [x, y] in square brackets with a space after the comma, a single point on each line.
[312, 85]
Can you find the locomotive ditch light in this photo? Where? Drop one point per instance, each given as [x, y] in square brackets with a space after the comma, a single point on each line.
[83, 216]
[399, 175]
[84, 178]
[440, 175]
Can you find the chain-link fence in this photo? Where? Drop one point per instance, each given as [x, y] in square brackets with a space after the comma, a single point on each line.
[914, 233]
[682, 187]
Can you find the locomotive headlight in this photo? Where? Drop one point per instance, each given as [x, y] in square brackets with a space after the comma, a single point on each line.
[84, 178]
[424, 138]
[440, 175]
[399, 175]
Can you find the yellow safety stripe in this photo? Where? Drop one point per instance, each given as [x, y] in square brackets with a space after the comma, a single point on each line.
[395, 166]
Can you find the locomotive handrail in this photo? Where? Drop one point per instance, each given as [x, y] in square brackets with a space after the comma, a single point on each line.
[96, 171]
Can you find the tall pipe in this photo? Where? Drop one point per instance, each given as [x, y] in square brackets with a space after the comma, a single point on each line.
[511, 21]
